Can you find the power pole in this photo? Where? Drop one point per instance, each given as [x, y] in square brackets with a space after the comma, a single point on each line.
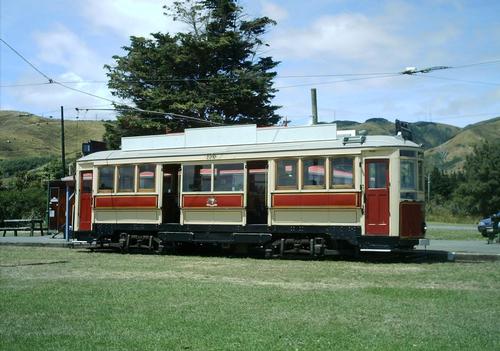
[429, 187]
[314, 104]
[63, 153]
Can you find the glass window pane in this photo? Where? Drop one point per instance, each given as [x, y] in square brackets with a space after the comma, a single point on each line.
[420, 176]
[197, 178]
[147, 177]
[377, 175]
[313, 170]
[87, 182]
[343, 172]
[286, 174]
[126, 175]
[408, 180]
[228, 177]
[106, 178]
[407, 153]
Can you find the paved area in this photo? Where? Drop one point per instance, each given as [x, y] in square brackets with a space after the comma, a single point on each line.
[470, 246]
[45, 240]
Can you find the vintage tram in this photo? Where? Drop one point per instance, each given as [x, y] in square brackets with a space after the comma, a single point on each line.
[313, 189]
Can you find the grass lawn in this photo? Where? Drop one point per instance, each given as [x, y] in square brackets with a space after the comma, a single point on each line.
[63, 299]
[453, 234]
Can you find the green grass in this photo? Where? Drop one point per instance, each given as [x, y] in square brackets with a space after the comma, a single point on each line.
[24, 136]
[449, 234]
[444, 215]
[61, 299]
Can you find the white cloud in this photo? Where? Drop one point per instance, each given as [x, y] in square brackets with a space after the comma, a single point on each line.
[51, 96]
[64, 48]
[65, 57]
[274, 11]
[129, 17]
[347, 36]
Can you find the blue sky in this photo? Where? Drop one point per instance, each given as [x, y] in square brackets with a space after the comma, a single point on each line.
[71, 40]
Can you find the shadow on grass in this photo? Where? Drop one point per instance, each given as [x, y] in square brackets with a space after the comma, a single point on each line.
[33, 264]
[415, 256]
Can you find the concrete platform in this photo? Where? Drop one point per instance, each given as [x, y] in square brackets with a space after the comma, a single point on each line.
[46, 240]
[473, 246]
[465, 250]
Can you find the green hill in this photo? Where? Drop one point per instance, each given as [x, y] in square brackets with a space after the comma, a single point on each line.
[27, 136]
[427, 133]
[450, 156]
[36, 139]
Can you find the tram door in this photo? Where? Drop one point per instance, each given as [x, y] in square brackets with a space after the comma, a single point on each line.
[256, 192]
[377, 197]
[85, 201]
[171, 210]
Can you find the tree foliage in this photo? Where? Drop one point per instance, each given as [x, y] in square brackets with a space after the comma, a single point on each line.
[25, 194]
[211, 72]
[444, 184]
[479, 193]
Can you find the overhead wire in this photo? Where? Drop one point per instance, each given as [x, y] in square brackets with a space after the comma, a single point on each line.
[477, 64]
[335, 81]
[179, 79]
[361, 76]
[26, 60]
[208, 79]
[458, 80]
[52, 81]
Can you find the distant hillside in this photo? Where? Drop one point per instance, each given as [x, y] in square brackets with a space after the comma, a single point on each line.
[32, 136]
[23, 137]
[427, 133]
[450, 156]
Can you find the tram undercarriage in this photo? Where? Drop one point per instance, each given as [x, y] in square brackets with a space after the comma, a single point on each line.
[274, 242]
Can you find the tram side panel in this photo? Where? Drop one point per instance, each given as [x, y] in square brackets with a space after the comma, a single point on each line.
[312, 200]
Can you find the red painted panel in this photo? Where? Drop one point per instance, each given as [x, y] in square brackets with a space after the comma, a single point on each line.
[377, 197]
[411, 219]
[85, 201]
[204, 201]
[125, 202]
[316, 200]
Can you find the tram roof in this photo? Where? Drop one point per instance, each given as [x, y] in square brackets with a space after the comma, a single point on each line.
[243, 139]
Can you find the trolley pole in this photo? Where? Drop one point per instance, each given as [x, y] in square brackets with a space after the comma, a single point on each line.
[63, 153]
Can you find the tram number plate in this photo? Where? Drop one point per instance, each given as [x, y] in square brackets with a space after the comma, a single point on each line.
[211, 156]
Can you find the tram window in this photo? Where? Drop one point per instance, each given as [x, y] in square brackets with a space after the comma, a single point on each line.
[377, 175]
[420, 176]
[343, 172]
[313, 170]
[286, 176]
[408, 174]
[146, 177]
[106, 178]
[228, 177]
[87, 183]
[126, 175]
[407, 153]
[197, 178]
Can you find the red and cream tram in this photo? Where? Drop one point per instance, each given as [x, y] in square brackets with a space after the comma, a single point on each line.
[310, 189]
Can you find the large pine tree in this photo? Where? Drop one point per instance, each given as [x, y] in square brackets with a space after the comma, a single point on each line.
[212, 72]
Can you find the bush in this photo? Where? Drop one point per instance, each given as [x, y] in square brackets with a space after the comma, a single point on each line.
[23, 203]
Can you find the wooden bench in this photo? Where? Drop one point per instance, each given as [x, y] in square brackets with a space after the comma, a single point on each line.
[15, 225]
